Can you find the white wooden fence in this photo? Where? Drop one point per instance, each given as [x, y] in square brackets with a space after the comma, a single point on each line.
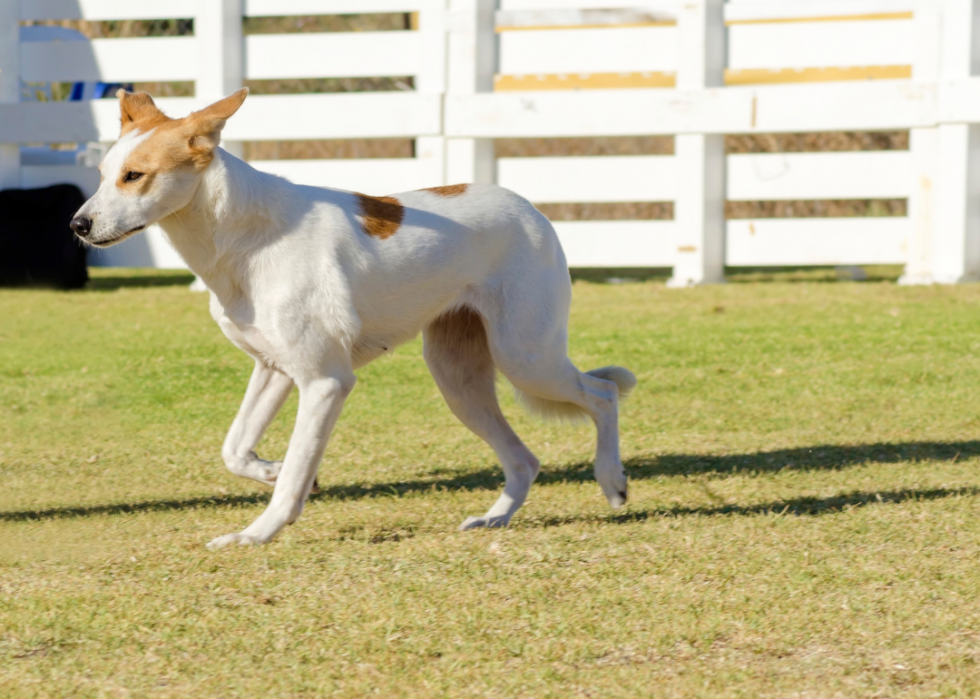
[486, 69]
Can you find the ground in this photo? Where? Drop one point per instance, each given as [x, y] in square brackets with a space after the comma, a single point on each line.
[803, 516]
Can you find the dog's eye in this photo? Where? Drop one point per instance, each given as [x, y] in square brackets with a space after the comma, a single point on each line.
[132, 176]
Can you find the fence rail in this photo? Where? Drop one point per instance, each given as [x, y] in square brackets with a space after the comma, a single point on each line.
[488, 69]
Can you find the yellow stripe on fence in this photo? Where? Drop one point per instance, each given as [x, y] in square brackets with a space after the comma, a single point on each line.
[759, 76]
[831, 18]
[549, 27]
[591, 81]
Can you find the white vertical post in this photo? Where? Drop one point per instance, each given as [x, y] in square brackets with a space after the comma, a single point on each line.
[431, 150]
[472, 56]
[220, 52]
[9, 86]
[956, 252]
[699, 210]
[924, 149]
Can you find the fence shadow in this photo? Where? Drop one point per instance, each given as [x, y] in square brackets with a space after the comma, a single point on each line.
[824, 457]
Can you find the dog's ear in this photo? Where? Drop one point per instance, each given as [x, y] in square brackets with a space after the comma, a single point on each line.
[206, 124]
[136, 110]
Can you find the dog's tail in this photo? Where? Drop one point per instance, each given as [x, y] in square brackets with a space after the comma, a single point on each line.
[569, 412]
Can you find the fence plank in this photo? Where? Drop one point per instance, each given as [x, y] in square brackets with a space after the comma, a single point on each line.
[566, 19]
[817, 241]
[956, 254]
[96, 10]
[591, 179]
[875, 175]
[110, 60]
[97, 120]
[9, 90]
[375, 176]
[333, 55]
[610, 51]
[350, 115]
[769, 109]
[285, 8]
[661, 6]
[618, 243]
[472, 58]
[699, 211]
[821, 44]
[263, 117]
[85, 178]
[737, 11]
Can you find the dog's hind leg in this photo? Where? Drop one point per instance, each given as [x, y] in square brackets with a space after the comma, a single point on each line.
[528, 343]
[267, 391]
[457, 354]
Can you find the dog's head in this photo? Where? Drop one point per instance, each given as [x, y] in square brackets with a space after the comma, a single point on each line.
[153, 169]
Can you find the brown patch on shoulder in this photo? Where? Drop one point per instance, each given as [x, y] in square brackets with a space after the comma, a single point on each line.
[380, 216]
[452, 190]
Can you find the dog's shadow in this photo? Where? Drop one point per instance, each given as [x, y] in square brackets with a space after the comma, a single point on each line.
[824, 457]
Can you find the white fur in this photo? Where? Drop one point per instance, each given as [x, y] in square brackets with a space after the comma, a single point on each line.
[570, 412]
[116, 212]
[297, 284]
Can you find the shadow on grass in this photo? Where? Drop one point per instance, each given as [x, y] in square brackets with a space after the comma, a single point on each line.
[138, 281]
[135, 507]
[827, 457]
[806, 506]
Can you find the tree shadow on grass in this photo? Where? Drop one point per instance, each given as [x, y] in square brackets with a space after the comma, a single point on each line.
[824, 457]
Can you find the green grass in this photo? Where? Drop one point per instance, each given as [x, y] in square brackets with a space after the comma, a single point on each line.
[803, 517]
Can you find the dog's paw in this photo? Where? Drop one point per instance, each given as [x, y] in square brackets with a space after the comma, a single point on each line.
[614, 486]
[617, 500]
[266, 471]
[484, 522]
[228, 539]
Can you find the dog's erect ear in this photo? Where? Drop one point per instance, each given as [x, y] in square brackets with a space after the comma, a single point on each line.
[206, 124]
[137, 110]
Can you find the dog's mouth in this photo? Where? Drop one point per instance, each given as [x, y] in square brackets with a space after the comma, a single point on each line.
[117, 239]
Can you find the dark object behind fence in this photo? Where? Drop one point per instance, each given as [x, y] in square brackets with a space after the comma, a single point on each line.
[36, 246]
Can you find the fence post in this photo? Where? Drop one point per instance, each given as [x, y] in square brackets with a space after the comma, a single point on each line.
[924, 150]
[956, 253]
[472, 55]
[9, 86]
[431, 150]
[699, 211]
[221, 53]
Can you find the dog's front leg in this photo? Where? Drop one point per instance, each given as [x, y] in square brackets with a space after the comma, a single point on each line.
[267, 391]
[320, 402]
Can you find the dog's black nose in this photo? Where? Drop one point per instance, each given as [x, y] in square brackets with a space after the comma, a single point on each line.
[81, 225]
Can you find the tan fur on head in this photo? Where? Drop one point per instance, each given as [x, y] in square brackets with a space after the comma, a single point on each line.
[176, 142]
[207, 123]
[137, 111]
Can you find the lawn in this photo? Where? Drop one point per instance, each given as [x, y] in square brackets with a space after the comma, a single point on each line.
[804, 516]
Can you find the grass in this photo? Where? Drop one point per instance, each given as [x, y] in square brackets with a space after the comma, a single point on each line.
[803, 517]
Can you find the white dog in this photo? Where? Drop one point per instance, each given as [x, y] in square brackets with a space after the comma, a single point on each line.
[314, 283]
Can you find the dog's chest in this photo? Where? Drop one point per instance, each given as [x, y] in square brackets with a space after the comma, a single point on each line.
[244, 336]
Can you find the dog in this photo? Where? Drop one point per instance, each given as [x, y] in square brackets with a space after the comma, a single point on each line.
[314, 283]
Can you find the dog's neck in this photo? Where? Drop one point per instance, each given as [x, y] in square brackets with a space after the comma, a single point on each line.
[234, 208]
